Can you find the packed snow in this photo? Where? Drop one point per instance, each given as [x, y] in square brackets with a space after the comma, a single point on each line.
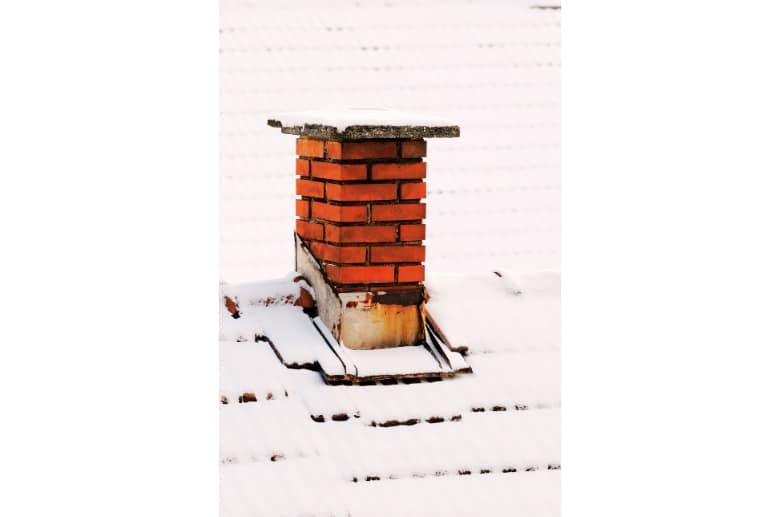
[301, 447]
[267, 312]
[464, 306]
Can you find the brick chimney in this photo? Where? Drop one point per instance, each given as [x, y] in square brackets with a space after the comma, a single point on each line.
[359, 231]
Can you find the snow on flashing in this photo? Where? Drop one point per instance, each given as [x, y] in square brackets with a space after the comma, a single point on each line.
[363, 123]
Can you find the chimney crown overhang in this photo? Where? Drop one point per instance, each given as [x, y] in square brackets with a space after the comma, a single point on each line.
[359, 231]
[363, 124]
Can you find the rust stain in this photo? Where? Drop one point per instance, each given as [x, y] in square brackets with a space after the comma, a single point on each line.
[369, 324]
[247, 397]
[304, 299]
[232, 307]
[288, 299]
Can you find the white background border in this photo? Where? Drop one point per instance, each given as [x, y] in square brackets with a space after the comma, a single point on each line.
[671, 264]
[108, 212]
[109, 225]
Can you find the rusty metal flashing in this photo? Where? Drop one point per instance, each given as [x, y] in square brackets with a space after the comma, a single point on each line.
[351, 380]
[440, 335]
[358, 313]
[404, 297]
[366, 319]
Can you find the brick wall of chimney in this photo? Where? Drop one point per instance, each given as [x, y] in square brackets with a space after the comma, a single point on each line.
[360, 210]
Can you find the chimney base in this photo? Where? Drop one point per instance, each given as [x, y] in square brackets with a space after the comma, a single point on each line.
[359, 227]
[364, 320]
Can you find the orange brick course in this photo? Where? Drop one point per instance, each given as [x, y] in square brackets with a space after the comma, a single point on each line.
[310, 188]
[302, 167]
[308, 230]
[398, 171]
[398, 212]
[411, 273]
[362, 192]
[361, 214]
[412, 232]
[413, 190]
[338, 171]
[347, 234]
[413, 149]
[361, 274]
[339, 213]
[310, 148]
[302, 207]
[340, 254]
[361, 150]
[388, 254]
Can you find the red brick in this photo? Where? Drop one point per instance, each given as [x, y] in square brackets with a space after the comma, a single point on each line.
[361, 150]
[362, 192]
[360, 274]
[398, 171]
[359, 233]
[338, 171]
[308, 230]
[302, 207]
[385, 254]
[340, 254]
[413, 149]
[414, 190]
[412, 232]
[302, 167]
[310, 148]
[411, 273]
[310, 188]
[340, 214]
[398, 212]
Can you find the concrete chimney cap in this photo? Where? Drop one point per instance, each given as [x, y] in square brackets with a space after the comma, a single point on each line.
[363, 124]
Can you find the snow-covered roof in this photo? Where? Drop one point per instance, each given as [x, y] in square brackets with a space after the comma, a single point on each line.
[491, 67]
[484, 443]
[487, 443]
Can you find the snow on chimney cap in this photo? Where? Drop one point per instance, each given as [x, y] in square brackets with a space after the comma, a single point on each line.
[362, 124]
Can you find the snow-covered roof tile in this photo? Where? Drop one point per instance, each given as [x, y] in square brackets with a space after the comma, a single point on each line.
[303, 447]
